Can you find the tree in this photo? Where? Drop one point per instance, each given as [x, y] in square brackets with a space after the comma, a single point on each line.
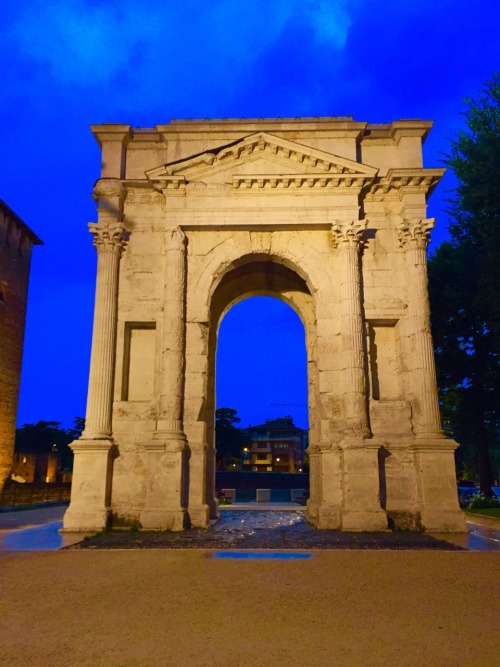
[46, 437]
[229, 440]
[464, 280]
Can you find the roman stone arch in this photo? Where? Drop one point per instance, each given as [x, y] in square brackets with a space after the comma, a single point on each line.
[256, 274]
[328, 215]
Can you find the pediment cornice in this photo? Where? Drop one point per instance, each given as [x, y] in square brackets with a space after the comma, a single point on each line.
[279, 165]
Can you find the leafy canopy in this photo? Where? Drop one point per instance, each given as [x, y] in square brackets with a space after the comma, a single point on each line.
[464, 282]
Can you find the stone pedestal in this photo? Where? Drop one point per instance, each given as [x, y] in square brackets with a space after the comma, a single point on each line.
[362, 510]
[328, 503]
[199, 509]
[437, 487]
[163, 508]
[89, 509]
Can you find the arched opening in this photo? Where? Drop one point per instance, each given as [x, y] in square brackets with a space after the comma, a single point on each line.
[261, 371]
[239, 311]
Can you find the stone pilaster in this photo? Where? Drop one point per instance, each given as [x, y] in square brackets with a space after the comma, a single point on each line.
[358, 459]
[173, 341]
[90, 495]
[166, 489]
[414, 237]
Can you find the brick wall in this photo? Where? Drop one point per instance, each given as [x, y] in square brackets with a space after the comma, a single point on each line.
[16, 242]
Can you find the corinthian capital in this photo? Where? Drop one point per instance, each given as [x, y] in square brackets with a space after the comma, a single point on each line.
[109, 237]
[415, 232]
[348, 234]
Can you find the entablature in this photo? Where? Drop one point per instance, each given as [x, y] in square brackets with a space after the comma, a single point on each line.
[399, 182]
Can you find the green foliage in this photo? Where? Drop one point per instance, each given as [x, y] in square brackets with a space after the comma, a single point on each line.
[493, 512]
[483, 502]
[229, 440]
[463, 284]
[135, 526]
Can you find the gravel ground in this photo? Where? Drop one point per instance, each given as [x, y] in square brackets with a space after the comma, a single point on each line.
[173, 608]
[262, 530]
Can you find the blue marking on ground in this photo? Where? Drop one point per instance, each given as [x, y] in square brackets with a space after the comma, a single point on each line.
[262, 555]
[45, 537]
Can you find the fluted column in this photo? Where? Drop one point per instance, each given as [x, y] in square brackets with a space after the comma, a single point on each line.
[166, 454]
[347, 238]
[436, 491]
[109, 241]
[356, 460]
[89, 509]
[414, 237]
[90, 505]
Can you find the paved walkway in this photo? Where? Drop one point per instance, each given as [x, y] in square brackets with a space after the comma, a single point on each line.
[186, 609]
[31, 517]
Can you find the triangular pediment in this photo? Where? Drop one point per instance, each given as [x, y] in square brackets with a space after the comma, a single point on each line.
[262, 160]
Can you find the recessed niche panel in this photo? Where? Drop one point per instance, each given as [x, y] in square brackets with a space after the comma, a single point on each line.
[384, 361]
[139, 362]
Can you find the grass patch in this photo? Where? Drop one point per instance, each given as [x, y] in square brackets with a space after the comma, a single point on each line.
[489, 511]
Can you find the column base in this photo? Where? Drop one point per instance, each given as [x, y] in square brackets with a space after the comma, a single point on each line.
[213, 509]
[312, 511]
[85, 520]
[436, 480]
[435, 520]
[328, 518]
[360, 521]
[162, 519]
[164, 507]
[89, 509]
[405, 520]
[199, 516]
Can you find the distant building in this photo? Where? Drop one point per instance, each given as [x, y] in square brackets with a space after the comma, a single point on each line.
[277, 446]
[30, 467]
[16, 243]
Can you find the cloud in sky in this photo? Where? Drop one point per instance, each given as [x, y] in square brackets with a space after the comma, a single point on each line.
[260, 57]
[67, 63]
[85, 42]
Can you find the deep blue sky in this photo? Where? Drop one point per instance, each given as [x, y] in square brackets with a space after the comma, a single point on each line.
[65, 64]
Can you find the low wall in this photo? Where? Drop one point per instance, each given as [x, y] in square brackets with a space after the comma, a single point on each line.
[247, 483]
[15, 493]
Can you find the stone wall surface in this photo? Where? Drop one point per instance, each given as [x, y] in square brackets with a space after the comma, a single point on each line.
[328, 215]
[16, 242]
